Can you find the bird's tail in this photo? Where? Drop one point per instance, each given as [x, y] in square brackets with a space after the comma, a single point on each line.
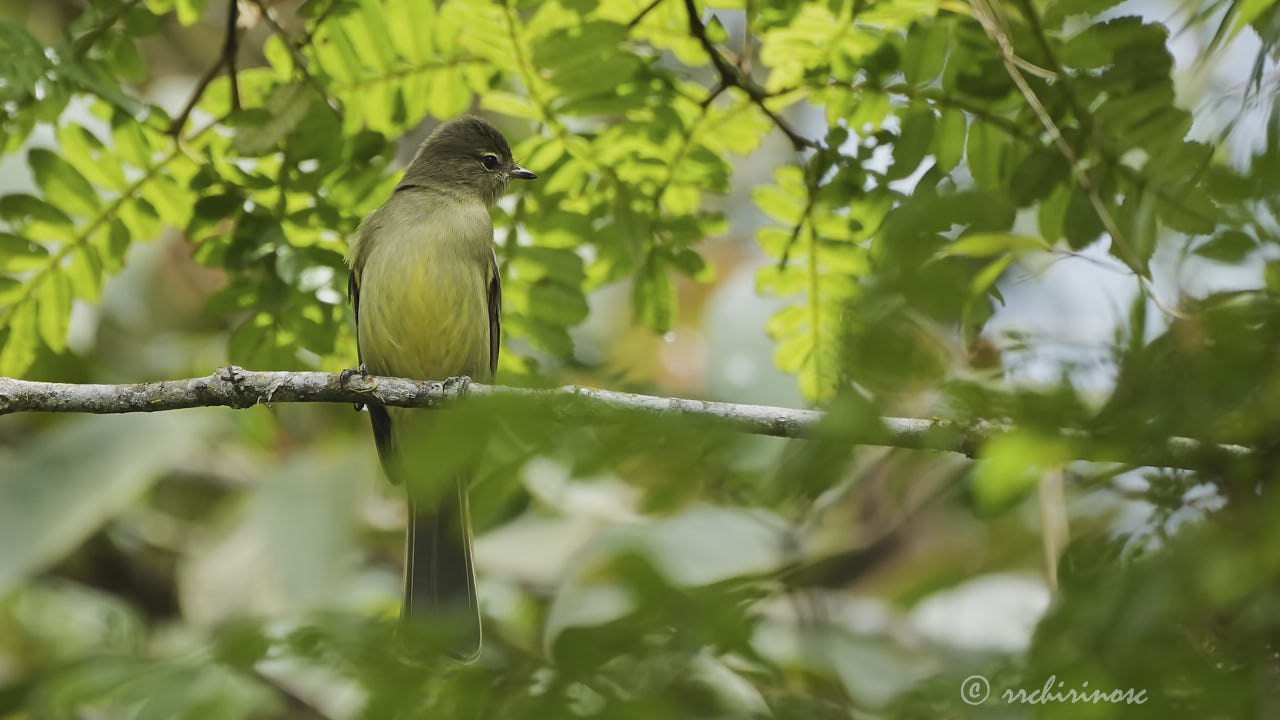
[439, 575]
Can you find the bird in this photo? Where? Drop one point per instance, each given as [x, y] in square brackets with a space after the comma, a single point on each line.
[426, 292]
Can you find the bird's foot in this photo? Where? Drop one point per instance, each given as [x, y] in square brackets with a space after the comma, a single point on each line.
[233, 374]
[345, 376]
[457, 385]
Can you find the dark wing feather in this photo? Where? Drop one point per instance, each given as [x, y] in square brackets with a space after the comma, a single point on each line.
[377, 414]
[495, 315]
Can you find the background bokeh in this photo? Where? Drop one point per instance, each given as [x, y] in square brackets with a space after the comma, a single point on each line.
[215, 563]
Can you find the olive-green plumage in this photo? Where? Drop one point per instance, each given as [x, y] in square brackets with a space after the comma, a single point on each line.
[425, 288]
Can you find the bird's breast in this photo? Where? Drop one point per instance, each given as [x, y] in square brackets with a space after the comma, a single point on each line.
[424, 296]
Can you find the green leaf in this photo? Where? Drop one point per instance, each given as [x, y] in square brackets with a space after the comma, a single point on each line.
[141, 22]
[18, 254]
[54, 298]
[123, 58]
[85, 273]
[869, 111]
[654, 296]
[1062, 9]
[985, 153]
[90, 157]
[1194, 213]
[285, 108]
[988, 244]
[1137, 220]
[1053, 213]
[689, 262]
[772, 280]
[190, 11]
[170, 202]
[1036, 176]
[1248, 11]
[511, 104]
[61, 183]
[10, 290]
[1081, 223]
[948, 141]
[19, 349]
[1228, 246]
[112, 244]
[912, 143]
[129, 141]
[783, 204]
[925, 52]
[536, 262]
[557, 303]
[40, 219]
[211, 211]
[1010, 466]
[411, 23]
[372, 35]
[986, 278]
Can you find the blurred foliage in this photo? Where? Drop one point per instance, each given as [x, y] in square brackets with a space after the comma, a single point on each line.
[203, 566]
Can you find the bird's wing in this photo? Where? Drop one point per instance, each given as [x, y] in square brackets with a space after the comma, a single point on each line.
[377, 414]
[353, 296]
[495, 313]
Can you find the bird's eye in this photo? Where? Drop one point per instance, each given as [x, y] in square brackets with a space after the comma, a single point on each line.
[490, 162]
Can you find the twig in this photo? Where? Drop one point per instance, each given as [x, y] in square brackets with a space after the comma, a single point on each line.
[299, 60]
[810, 198]
[731, 75]
[318, 22]
[226, 59]
[238, 388]
[82, 46]
[744, 54]
[230, 48]
[32, 280]
[175, 128]
[993, 24]
[638, 18]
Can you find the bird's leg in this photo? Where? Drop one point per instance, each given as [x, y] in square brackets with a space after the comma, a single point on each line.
[457, 385]
[233, 374]
[345, 376]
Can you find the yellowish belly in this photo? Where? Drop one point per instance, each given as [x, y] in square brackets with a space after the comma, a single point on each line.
[424, 317]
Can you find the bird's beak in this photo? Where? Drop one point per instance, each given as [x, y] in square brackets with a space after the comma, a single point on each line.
[520, 173]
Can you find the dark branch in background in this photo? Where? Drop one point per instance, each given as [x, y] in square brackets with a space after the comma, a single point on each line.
[295, 50]
[237, 388]
[810, 198]
[230, 48]
[638, 18]
[993, 23]
[226, 59]
[731, 75]
[317, 22]
[86, 41]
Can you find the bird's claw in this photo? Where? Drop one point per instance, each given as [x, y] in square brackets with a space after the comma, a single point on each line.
[233, 374]
[457, 385]
[345, 376]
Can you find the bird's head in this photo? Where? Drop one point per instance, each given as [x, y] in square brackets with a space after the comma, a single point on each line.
[466, 156]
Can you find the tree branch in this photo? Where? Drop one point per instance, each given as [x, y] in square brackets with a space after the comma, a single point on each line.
[295, 50]
[227, 60]
[237, 388]
[731, 75]
[231, 48]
